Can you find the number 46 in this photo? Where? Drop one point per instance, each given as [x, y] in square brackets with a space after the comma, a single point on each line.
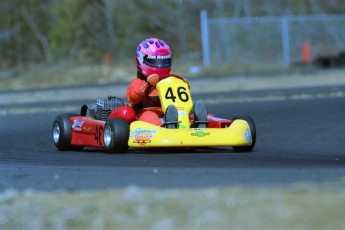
[181, 93]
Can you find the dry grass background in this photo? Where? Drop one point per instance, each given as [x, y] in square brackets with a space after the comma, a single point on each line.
[91, 75]
[254, 207]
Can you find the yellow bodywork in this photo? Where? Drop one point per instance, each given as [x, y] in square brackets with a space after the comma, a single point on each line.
[175, 91]
[143, 134]
[178, 90]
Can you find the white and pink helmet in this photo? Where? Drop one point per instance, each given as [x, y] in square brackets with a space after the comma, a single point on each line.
[153, 56]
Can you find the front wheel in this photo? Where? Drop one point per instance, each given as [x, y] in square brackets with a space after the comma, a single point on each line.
[62, 133]
[116, 134]
[252, 127]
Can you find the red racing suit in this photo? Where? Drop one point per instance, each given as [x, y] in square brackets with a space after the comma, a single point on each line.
[145, 101]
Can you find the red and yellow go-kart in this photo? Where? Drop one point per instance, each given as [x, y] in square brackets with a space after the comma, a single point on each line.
[109, 125]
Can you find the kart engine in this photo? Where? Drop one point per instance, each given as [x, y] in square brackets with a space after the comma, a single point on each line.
[104, 106]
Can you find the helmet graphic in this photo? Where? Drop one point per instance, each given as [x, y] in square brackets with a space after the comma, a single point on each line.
[153, 56]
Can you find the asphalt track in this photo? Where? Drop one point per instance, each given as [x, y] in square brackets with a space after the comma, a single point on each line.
[298, 141]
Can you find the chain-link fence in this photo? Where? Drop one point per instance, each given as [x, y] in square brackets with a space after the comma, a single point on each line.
[270, 41]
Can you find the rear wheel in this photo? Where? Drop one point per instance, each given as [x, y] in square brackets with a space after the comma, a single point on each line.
[62, 132]
[116, 134]
[252, 127]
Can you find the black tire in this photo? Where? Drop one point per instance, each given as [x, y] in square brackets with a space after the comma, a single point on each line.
[116, 134]
[62, 133]
[251, 124]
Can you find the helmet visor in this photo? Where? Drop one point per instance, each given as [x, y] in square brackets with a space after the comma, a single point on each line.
[158, 61]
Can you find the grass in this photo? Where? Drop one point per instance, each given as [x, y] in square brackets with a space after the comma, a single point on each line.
[64, 74]
[67, 74]
[297, 207]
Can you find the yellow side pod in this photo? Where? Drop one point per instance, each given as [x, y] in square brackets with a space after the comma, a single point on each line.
[143, 134]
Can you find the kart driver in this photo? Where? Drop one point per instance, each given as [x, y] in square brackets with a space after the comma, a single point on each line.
[153, 61]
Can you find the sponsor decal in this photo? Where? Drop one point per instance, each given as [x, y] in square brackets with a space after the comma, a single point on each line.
[181, 126]
[100, 103]
[77, 125]
[199, 133]
[87, 129]
[159, 56]
[99, 134]
[140, 57]
[248, 135]
[142, 136]
[182, 113]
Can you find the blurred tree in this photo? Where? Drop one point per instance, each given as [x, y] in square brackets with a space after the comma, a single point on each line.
[34, 14]
[28, 22]
[40, 31]
[67, 33]
[109, 7]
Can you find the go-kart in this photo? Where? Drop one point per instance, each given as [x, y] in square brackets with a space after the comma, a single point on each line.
[109, 124]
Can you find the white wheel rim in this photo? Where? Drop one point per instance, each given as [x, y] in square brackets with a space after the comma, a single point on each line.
[107, 136]
[56, 132]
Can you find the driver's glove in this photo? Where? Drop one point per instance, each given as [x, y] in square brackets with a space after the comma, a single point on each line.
[153, 79]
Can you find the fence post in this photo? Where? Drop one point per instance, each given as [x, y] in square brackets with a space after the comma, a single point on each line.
[285, 41]
[204, 39]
